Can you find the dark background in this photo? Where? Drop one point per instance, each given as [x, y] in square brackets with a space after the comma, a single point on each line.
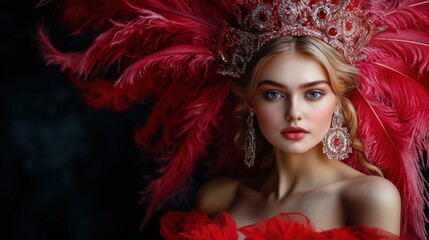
[66, 171]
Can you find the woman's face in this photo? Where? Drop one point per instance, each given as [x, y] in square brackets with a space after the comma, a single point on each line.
[294, 103]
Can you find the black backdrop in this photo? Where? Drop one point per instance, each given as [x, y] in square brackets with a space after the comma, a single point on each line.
[66, 171]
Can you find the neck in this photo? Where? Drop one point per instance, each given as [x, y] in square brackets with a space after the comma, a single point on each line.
[293, 173]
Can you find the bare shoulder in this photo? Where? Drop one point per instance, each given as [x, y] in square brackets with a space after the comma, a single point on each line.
[216, 196]
[373, 201]
[372, 191]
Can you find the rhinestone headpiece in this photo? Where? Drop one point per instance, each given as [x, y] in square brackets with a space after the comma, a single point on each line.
[341, 25]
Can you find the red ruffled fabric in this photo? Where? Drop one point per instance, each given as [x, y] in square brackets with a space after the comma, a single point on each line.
[197, 225]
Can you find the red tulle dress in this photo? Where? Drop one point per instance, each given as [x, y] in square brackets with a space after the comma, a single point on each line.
[197, 225]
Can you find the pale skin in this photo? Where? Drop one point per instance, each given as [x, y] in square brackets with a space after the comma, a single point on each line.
[294, 91]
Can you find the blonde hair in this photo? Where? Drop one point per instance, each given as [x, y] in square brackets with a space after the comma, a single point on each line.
[342, 78]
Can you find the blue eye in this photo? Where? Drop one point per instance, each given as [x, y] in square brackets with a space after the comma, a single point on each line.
[313, 95]
[272, 95]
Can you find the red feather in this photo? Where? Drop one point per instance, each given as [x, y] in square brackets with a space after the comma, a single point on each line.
[387, 145]
[396, 15]
[394, 131]
[209, 13]
[409, 46]
[161, 50]
[392, 103]
[175, 59]
[197, 127]
[51, 55]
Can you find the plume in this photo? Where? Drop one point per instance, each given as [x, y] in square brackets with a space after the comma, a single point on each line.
[194, 134]
[161, 51]
[394, 131]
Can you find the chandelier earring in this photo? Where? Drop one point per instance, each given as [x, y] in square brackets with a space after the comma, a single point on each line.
[250, 144]
[337, 142]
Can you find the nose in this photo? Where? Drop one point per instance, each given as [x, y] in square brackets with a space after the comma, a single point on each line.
[293, 110]
[294, 117]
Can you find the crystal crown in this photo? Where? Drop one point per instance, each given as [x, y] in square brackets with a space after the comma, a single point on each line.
[338, 23]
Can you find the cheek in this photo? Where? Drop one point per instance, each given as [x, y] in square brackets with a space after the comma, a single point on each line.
[323, 117]
[269, 115]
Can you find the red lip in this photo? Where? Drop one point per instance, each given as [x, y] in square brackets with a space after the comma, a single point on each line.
[294, 133]
[294, 130]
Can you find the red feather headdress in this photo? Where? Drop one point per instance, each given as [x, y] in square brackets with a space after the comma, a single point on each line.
[163, 51]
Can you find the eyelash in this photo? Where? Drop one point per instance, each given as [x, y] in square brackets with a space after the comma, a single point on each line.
[271, 98]
[279, 95]
[320, 94]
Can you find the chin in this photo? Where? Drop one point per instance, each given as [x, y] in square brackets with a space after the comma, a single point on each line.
[289, 150]
[297, 149]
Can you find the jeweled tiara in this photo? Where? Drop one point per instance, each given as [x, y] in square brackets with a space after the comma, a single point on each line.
[341, 25]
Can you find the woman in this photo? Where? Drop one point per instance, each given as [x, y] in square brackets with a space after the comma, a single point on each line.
[296, 87]
[294, 96]
[296, 68]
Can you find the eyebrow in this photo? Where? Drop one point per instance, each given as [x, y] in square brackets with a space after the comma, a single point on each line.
[305, 85]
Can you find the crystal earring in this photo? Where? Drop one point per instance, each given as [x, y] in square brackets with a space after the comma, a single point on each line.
[337, 143]
[250, 144]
